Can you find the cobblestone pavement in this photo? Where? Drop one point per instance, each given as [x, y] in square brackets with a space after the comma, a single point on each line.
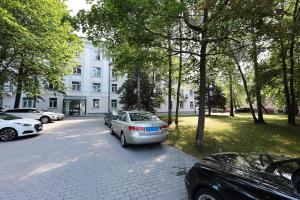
[79, 159]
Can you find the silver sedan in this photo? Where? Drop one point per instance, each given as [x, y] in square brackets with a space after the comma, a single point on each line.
[136, 127]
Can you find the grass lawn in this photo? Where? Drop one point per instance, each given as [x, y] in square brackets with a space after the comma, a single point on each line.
[238, 134]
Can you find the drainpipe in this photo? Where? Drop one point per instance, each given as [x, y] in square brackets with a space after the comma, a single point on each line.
[109, 70]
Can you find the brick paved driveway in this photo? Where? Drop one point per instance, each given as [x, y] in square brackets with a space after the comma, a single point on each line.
[79, 159]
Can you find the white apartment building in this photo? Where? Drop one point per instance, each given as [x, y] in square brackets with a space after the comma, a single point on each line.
[91, 90]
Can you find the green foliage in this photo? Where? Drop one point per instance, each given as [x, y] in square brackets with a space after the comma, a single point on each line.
[150, 93]
[38, 45]
[215, 97]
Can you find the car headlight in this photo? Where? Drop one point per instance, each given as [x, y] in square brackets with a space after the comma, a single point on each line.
[23, 124]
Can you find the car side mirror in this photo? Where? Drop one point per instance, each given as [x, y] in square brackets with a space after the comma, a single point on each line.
[296, 180]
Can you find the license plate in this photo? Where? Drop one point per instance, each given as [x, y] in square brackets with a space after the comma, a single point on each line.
[152, 129]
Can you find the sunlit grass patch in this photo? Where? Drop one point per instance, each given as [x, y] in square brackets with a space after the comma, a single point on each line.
[240, 134]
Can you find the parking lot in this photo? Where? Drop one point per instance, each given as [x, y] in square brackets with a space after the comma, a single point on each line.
[78, 159]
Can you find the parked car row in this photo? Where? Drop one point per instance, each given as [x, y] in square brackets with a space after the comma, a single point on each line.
[32, 113]
[136, 127]
[22, 122]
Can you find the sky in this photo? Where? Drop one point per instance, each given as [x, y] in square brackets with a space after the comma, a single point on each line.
[76, 5]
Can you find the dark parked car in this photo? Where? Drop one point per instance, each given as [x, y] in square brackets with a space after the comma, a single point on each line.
[243, 110]
[110, 116]
[230, 176]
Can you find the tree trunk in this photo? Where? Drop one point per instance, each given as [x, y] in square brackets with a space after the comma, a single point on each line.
[246, 88]
[234, 99]
[231, 95]
[208, 101]
[283, 53]
[179, 77]
[292, 71]
[170, 79]
[138, 105]
[292, 88]
[202, 88]
[257, 79]
[34, 101]
[18, 92]
[266, 111]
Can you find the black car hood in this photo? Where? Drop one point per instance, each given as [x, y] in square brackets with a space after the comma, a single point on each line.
[251, 167]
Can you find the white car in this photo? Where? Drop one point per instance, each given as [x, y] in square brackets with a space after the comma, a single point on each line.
[32, 113]
[58, 116]
[12, 127]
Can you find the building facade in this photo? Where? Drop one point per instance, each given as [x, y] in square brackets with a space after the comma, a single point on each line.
[91, 90]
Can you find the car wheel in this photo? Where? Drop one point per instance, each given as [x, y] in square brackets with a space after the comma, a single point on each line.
[123, 140]
[8, 134]
[45, 119]
[205, 194]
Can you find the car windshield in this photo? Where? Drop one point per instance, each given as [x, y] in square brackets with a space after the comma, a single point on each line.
[287, 169]
[8, 116]
[142, 117]
[114, 113]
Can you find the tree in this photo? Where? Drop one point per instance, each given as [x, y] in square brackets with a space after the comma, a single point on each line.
[36, 51]
[150, 95]
[215, 98]
[179, 80]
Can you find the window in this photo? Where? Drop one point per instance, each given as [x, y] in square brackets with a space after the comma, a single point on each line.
[96, 87]
[124, 117]
[181, 104]
[114, 74]
[52, 102]
[191, 93]
[97, 53]
[96, 103]
[191, 104]
[286, 170]
[32, 110]
[76, 86]
[27, 102]
[114, 88]
[8, 87]
[5, 116]
[77, 70]
[96, 71]
[142, 117]
[113, 103]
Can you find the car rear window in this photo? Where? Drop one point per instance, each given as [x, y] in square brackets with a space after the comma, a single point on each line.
[142, 117]
[8, 117]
